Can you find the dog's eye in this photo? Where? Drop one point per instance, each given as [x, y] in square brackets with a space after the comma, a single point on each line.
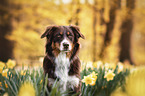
[69, 35]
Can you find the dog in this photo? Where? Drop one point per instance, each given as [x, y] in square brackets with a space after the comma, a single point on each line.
[61, 61]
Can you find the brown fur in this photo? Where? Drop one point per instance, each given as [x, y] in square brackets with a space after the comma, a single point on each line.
[52, 52]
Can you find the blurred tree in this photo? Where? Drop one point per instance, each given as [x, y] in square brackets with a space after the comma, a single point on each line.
[126, 31]
[99, 21]
[6, 46]
[29, 25]
[75, 17]
[110, 23]
[78, 10]
[94, 30]
[94, 8]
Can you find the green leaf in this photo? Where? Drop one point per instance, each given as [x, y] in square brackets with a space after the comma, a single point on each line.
[10, 86]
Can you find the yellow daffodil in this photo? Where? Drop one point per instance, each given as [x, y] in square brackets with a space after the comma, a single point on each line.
[1, 69]
[26, 89]
[11, 63]
[4, 72]
[113, 66]
[94, 75]
[97, 64]
[93, 83]
[107, 66]
[23, 72]
[135, 83]
[88, 80]
[109, 75]
[120, 67]
[89, 65]
[2, 65]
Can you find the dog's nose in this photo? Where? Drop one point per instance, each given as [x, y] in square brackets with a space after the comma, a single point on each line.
[65, 45]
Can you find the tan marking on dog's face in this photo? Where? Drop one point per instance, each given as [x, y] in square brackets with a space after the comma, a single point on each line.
[61, 33]
[68, 33]
[55, 47]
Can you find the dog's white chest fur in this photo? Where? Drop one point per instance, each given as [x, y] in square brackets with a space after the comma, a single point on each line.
[62, 66]
[61, 71]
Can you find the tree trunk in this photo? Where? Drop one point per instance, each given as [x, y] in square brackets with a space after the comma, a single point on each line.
[78, 10]
[110, 26]
[75, 17]
[126, 31]
[94, 32]
[6, 46]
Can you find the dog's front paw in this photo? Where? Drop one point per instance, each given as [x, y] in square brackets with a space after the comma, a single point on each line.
[50, 81]
[73, 82]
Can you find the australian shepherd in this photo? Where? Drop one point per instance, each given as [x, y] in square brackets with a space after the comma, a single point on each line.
[61, 61]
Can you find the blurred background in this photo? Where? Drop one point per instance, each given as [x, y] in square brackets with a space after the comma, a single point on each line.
[113, 29]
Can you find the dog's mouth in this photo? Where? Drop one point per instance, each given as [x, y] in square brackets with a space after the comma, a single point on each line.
[65, 50]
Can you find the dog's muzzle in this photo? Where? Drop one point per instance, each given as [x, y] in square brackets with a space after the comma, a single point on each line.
[65, 45]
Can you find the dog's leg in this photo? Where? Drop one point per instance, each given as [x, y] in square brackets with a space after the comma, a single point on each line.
[50, 81]
[73, 81]
[74, 84]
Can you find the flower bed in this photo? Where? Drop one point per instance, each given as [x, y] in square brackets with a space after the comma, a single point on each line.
[103, 79]
[98, 80]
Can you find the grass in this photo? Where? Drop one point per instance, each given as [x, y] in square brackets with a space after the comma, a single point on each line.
[12, 82]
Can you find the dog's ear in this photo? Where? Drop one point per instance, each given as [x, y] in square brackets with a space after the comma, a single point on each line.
[48, 31]
[76, 29]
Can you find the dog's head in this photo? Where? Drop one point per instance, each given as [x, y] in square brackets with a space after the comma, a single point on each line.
[62, 38]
